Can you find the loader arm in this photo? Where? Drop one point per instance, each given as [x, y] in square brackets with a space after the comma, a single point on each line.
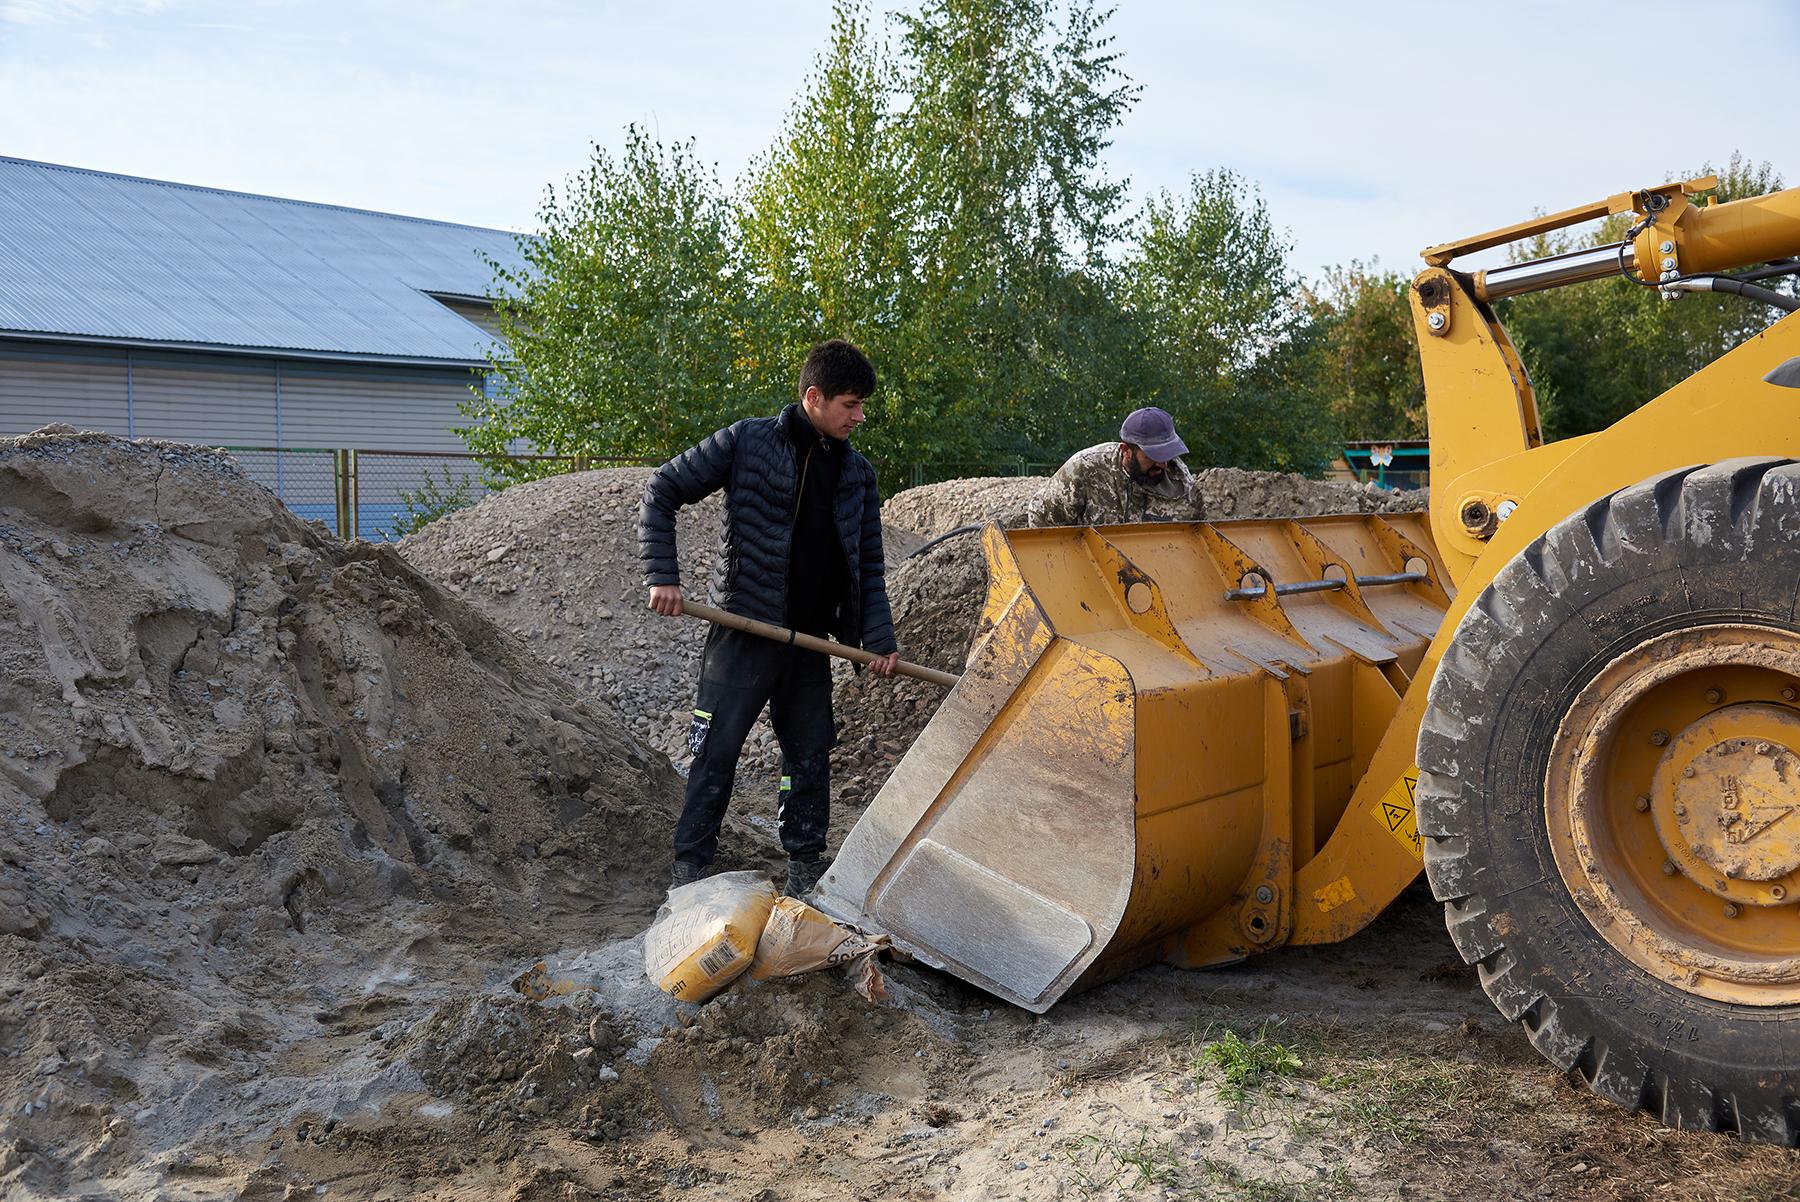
[1487, 447]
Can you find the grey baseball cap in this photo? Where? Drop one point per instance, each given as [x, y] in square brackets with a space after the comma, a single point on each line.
[1154, 431]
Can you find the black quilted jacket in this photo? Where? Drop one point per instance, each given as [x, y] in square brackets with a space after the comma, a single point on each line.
[753, 461]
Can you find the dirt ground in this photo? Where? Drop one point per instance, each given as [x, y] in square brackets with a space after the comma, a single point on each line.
[287, 829]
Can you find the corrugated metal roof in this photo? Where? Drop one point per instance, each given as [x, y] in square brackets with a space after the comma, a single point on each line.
[86, 254]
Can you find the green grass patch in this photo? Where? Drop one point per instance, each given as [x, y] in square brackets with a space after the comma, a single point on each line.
[1223, 1180]
[1403, 1099]
[1101, 1163]
[1242, 1064]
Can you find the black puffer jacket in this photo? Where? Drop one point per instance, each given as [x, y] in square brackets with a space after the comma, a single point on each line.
[753, 461]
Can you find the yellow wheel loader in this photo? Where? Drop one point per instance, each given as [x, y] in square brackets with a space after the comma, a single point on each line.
[1569, 696]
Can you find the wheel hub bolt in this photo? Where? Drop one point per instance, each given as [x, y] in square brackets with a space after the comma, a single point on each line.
[1714, 696]
[1789, 693]
[1688, 771]
[1777, 892]
[1763, 749]
[1731, 910]
[1681, 812]
[1669, 868]
[1659, 737]
[1643, 803]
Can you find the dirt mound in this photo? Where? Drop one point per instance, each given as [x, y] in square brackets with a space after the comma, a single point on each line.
[931, 509]
[556, 563]
[250, 772]
[1232, 492]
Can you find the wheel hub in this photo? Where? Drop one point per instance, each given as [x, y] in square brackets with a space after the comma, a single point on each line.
[1734, 804]
[1672, 800]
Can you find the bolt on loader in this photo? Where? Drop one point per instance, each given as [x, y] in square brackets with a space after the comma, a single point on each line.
[1568, 695]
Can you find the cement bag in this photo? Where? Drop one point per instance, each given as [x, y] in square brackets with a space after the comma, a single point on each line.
[798, 938]
[706, 933]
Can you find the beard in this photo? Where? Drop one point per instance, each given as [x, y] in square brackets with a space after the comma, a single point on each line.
[1140, 476]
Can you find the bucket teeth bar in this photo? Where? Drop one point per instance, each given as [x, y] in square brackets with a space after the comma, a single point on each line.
[1161, 726]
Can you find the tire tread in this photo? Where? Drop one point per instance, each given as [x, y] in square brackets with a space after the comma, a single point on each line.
[1749, 502]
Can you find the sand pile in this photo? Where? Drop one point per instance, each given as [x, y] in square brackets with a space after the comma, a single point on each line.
[261, 791]
[556, 563]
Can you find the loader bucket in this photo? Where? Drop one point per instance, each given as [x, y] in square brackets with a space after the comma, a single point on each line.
[1157, 726]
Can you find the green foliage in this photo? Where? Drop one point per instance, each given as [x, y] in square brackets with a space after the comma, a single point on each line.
[1368, 362]
[937, 195]
[1242, 1065]
[1598, 351]
[625, 327]
[941, 201]
[1227, 345]
[432, 500]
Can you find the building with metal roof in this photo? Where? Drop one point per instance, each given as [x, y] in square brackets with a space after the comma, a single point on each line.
[155, 309]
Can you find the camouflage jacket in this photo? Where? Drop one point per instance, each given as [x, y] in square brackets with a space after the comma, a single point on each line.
[1092, 489]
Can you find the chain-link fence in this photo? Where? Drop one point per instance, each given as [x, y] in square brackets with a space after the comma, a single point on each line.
[379, 495]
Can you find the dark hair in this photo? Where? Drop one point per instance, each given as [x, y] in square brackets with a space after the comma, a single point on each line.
[836, 367]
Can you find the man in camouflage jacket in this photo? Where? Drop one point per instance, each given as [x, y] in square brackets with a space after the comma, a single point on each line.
[1137, 479]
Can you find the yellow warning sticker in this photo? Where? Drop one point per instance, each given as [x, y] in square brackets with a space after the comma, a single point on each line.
[1334, 895]
[1394, 811]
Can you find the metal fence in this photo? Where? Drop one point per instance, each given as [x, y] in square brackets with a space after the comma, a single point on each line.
[378, 495]
[935, 473]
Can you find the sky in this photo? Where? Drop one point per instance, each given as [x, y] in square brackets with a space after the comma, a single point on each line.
[1372, 129]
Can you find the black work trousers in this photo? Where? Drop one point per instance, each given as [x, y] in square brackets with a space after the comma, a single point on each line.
[739, 674]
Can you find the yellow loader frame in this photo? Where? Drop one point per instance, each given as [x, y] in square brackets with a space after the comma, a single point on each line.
[1496, 485]
[910, 868]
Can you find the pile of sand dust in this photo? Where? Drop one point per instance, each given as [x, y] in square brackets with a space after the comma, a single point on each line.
[266, 800]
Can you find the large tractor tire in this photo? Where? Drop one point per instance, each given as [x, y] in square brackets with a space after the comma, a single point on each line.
[1609, 786]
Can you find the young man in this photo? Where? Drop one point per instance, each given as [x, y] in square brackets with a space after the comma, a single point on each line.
[801, 548]
[1137, 479]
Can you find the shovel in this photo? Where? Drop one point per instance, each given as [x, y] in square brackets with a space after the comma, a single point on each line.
[782, 634]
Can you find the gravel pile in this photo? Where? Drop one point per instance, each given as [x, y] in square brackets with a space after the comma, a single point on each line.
[555, 562]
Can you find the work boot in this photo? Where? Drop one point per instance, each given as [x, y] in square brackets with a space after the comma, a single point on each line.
[684, 873]
[803, 875]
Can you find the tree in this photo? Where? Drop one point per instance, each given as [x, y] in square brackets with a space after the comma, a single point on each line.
[1009, 105]
[1229, 348]
[1368, 356]
[824, 243]
[942, 201]
[625, 327]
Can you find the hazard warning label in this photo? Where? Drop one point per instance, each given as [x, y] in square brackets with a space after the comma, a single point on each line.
[1394, 810]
